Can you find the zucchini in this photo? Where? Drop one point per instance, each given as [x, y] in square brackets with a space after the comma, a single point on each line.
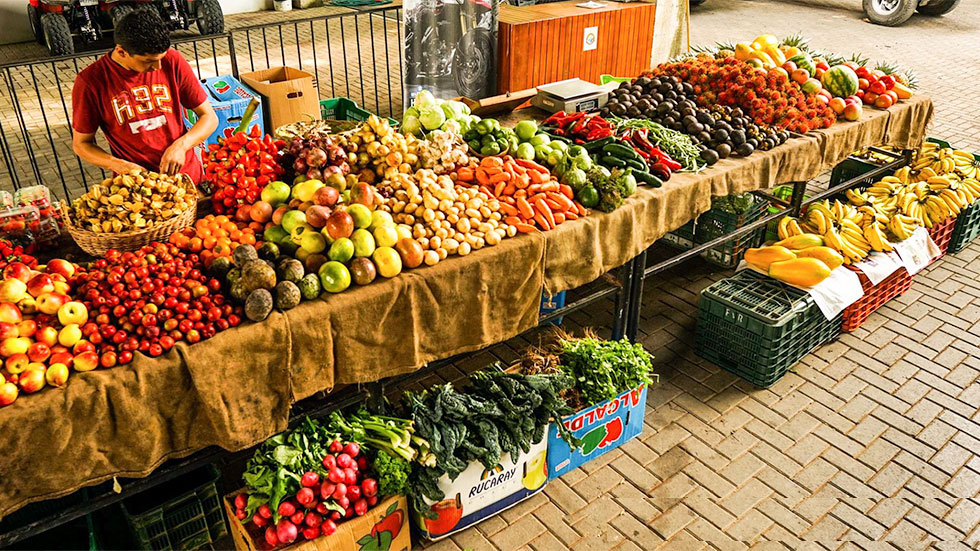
[635, 165]
[621, 151]
[647, 178]
[610, 161]
[596, 145]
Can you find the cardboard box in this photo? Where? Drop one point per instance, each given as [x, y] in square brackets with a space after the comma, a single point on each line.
[289, 95]
[229, 99]
[478, 492]
[602, 427]
[383, 528]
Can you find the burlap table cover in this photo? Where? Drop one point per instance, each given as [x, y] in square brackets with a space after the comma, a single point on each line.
[235, 389]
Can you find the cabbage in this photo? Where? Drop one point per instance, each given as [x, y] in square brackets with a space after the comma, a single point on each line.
[411, 125]
[461, 107]
[411, 112]
[450, 110]
[431, 116]
[424, 99]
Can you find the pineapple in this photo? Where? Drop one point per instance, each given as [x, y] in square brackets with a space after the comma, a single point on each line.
[796, 41]
[887, 68]
[858, 59]
[908, 78]
[724, 49]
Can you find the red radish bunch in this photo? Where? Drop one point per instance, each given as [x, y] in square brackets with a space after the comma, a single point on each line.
[149, 299]
[239, 166]
[322, 502]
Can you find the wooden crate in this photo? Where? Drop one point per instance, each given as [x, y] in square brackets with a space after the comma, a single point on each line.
[544, 43]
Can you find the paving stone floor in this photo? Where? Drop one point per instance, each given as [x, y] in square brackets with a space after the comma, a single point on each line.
[870, 443]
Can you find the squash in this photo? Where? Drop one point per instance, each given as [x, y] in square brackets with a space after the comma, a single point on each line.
[828, 256]
[761, 258]
[802, 272]
[801, 241]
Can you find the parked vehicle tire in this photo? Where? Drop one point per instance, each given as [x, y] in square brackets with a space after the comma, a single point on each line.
[472, 64]
[210, 19]
[118, 12]
[57, 35]
[34, 16]
[695, 3]
[940, 7]
[889, 13]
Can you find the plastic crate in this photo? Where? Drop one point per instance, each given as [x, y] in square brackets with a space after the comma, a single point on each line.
[757, 328]
[550, 304]
[942, 235]
[852, 167]
[681, 238]
[185, 515]
[784, 193]
[714, 223]
[874, 297]
[967, 228]
[343, 109]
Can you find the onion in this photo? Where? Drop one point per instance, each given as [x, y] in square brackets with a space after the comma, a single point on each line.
[299, 165]
[314, 174]
[316, 157]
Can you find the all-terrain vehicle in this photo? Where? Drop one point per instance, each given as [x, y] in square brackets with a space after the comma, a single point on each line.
[56, 23]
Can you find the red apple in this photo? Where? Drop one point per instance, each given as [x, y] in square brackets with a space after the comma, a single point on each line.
[17, 363]
[82, 346]
[8, 393]
[49, 303]
[853, 112]
[86, 361]
[60, 266]
[339, 224]
[9, 331]
[61, 358]
[31, 380]
[10, 313]
[12, 290]
[27, 305]
[70, 335]
[47, 335]
[39, 352]
[56, 374]
[17, 270]
[61, 287]
[16, 345]
[40, 284]
[26, 328]
[364, 194]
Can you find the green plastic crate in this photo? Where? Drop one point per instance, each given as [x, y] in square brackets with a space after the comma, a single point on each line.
[714, 223]
[185, 515]
[852, 167]
[968, 221]
[344, 109]
[758, 328]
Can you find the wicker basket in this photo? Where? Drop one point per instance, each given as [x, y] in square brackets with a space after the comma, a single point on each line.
[97, 243]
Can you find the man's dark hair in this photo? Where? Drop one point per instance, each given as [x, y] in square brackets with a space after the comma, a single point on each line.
[142, 32]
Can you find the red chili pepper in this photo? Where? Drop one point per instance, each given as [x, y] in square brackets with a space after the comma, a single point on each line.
[254, 132]
[553, 119]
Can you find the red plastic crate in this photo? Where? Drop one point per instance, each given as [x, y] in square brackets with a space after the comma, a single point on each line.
[942, 234]
[875, 296]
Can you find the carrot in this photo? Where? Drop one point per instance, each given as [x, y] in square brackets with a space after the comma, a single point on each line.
[535, 197]
[559, 218]
[509, 200]
[499, 188]
[550, 185]
[520, 193]
[465, 173]
[545, 210]
[570, 216]
[510, 188]
[523, 181]
[566, 190]
[508, 209]
[552, 205]
[565, 202]
[513, 220]
[525, 228]
[525, 208]
[532, 165]
[536, 177]
[503, 176]
[581, 209]
[482, 177]
[492, 161]
[542, 221]
[534, 189]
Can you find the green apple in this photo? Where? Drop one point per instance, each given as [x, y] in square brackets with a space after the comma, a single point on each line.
[380, 218]
[292, 219]
[334, 276]
[342, 250]
[363, 242]
[275, 193]
[361, 215]
[386, 236]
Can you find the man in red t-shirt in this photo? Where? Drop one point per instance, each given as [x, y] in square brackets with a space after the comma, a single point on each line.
[137, 94]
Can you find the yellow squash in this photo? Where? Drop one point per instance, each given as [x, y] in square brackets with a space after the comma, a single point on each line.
[761, 258]
[775, 53]
[828, 256]
[903, 91]
[803, 272]
[802, 241]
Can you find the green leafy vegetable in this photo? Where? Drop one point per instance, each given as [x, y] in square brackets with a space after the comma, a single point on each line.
[613, 188]
[604, 369]
[393, 472]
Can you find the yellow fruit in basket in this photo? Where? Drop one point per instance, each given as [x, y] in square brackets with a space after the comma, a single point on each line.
[763, 257]
[800, 242]
[802, 272]
[828, 256]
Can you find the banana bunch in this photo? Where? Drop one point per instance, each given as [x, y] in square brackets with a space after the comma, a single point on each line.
[934, 200]
[884, 194]
[943, 161]
[840, 224]
[902, 226]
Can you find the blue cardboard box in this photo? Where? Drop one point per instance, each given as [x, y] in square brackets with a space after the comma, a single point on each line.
[602, 427]
[229, 99]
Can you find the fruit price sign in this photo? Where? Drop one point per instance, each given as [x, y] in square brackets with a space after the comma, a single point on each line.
[917, 251]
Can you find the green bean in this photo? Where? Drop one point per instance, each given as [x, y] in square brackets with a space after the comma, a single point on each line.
[676, 144]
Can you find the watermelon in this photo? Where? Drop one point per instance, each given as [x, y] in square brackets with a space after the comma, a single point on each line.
[840, 80]
[804, 61]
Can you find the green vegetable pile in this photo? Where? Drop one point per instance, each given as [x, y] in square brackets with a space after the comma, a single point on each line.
[676, 144]
[605, 369]
[612, 187]
[500, 413]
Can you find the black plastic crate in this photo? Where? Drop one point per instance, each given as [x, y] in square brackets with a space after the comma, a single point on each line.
[186, 514]
[758, 328]
[713, 224]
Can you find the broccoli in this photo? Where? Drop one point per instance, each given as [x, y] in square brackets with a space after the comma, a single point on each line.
[613, 189]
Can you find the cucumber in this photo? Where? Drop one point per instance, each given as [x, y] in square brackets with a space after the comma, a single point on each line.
[621, 151]
[597, 145]
[635, 164]
[647, 178]
[610, 161]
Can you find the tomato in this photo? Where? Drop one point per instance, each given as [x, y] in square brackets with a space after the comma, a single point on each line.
[884, 101]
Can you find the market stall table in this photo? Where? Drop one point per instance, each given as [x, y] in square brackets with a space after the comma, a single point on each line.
[236, 389]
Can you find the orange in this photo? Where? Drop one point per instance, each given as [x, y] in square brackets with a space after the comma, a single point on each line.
[221, 219]
[196, 244]
[229, 226]
[235, 235]
[210, 242]
[248, 239]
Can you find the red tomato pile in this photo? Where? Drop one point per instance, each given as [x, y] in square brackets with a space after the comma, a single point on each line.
[239, 167]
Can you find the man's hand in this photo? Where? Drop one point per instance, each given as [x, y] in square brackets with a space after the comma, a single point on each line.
[125, 167]
[173, 158]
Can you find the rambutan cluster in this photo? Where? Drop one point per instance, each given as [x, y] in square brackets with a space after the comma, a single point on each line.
[768, 97]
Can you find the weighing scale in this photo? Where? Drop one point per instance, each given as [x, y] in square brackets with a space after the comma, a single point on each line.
[570, 95]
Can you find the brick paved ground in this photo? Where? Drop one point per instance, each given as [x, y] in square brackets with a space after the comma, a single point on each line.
[871, 442]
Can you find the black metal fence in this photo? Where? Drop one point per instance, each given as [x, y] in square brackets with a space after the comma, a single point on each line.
[357, 55]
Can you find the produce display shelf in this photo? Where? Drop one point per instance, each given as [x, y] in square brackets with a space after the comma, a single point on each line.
[875, 296]
[758, 328]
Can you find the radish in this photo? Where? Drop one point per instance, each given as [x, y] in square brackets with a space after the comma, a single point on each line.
[354, 492]
[322, 508]
[328, 527]
[270, 536]
[336, 447]
[348, 512]
[305, 497]
[352, 449]
[286, 531]
[240, 514]
[265, 511]
[298, 517]
[360, 506]
[241, 501]
[329, 462]
[344, 502]
[326, 490]
[372, 501]
[259, 520]
[369, 487]
[313, 520]
[336, 475]
[334, 515]
[344, 461]
[286, 509]
[311, 533]
[362, 463]
[350, 477]
[310, 479]
[340, 491]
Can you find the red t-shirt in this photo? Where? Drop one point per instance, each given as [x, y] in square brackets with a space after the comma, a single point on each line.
[141, 114]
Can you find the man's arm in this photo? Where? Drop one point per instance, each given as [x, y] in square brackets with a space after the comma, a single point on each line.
[175, 155]
[84, 146]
